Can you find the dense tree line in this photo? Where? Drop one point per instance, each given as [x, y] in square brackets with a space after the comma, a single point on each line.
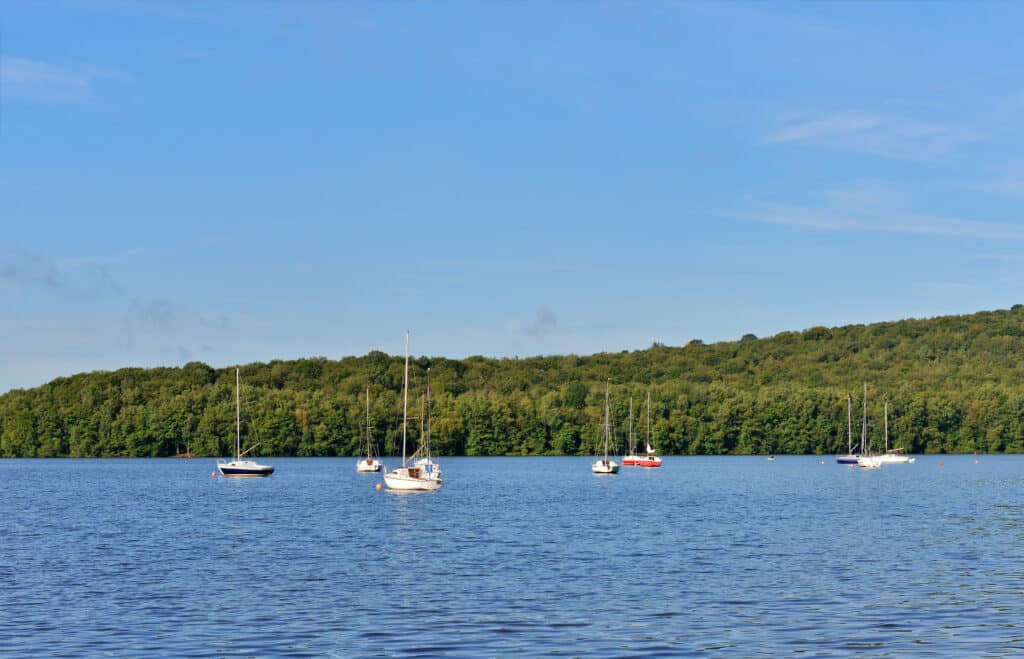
[952, 384]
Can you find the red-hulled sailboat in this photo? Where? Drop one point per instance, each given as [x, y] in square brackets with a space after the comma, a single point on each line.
[651, 459]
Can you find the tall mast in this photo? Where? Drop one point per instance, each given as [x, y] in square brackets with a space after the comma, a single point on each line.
[428, 415]
[631, 424]
[648, 418]
[238, 416]
[849, 424]
[886, 426]
[864, 425]
[367, 421]
[405, 396]
[607, 386]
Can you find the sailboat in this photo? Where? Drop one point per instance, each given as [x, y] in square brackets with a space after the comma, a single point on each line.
[605, 465]
[651, 458]
[865, 460]
[850, 458]
[368, 464]
[239, 468]
[893, 456]
[424, 474]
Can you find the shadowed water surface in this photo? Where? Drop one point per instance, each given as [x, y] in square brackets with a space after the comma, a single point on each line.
[514, 556]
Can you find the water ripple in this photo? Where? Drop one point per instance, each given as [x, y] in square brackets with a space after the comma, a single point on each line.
[731, 557]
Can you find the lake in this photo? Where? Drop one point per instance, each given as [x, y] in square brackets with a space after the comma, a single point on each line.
[725, 556]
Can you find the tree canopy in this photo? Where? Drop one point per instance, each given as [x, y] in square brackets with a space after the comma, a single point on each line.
[952, 384]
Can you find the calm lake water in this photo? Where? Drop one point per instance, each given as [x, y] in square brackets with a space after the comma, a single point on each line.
[514, 556]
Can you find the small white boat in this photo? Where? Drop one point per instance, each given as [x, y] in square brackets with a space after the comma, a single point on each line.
[423, 474]
[865, 460]
[605, 465]
[368, 464]
[239, 468]
[893, 456]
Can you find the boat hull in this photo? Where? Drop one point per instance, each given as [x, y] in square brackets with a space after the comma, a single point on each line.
[367, 465]
[847, 459]
[412, 479]
[895, 457]
[244, 470]
[641, 461]
[603, 467]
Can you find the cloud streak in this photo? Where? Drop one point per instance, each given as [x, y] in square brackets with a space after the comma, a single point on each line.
[42, 81]
[875, 134]
[826, 219]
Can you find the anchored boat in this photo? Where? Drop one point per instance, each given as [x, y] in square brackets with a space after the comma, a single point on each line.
[239, 468]
[424, 474]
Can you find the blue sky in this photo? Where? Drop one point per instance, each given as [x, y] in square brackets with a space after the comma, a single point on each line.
[238, 182]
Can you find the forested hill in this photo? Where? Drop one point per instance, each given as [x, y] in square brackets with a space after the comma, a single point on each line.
[953, 384]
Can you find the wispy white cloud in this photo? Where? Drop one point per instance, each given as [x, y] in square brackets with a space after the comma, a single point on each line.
[1001, 258]
[874, 134]
[42, 81]
[874, 206]
[830, 219]
[825, 128]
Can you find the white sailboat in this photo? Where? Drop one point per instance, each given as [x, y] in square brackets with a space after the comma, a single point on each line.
[368, 464]
[605, 465]
[893, 456]
[239, 468]
[850, 458]
[865, 460]
[424, 474]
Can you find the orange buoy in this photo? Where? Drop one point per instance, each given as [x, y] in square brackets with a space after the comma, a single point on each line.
[942, 464]
[379, 486]
[213, 473]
